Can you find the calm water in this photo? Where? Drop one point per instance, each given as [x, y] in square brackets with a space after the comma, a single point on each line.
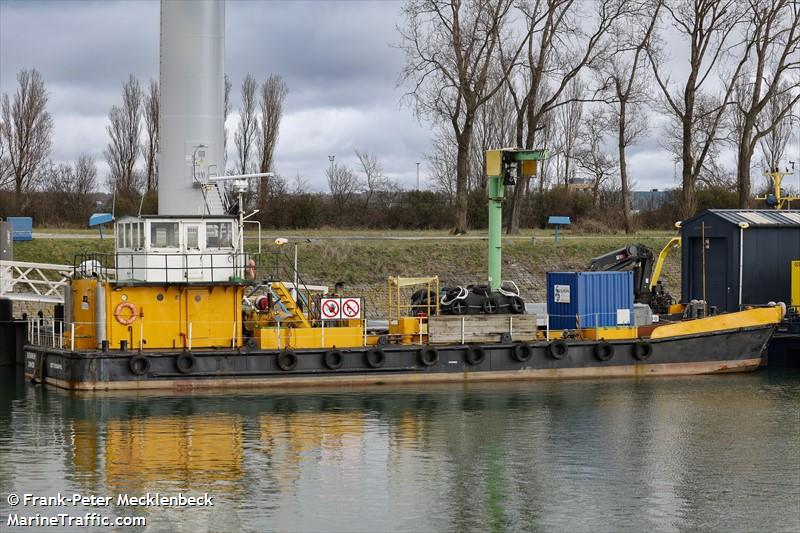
[706, 453]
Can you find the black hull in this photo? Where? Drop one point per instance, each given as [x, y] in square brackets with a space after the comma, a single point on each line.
[725, 351]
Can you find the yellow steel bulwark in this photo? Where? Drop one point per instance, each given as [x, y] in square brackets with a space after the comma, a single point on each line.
[610, 333]
[761, 316]
[349, 336]
[165, 316]
[795, 283]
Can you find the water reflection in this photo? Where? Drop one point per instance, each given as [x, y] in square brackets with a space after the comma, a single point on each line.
[626, 455]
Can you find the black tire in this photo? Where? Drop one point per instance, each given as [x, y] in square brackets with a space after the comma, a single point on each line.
[642, 350]
[523, 352]
[333, 359]
[287, 360]
[603, 351]
[516, 305]
[490, 306]
[185, 363]
[139, 364]
[558, 349]
[428, 356]
[251, 343]
[375, 358]
[475, 355]
[459, 307]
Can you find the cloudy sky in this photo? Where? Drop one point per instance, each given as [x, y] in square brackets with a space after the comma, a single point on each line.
[336, 56]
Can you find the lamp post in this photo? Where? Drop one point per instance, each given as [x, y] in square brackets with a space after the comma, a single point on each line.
[417, 176]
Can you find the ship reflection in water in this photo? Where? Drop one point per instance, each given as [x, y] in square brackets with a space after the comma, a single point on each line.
[717, 452]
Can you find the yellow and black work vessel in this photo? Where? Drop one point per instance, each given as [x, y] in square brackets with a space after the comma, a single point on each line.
[180, 305]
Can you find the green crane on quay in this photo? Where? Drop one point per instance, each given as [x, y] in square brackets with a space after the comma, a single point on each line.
[503, 167]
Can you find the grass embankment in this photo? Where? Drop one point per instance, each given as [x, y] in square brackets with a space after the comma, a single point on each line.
[365, 263]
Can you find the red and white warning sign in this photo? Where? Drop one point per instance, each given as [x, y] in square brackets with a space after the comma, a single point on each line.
[330, 308]
[351, 308]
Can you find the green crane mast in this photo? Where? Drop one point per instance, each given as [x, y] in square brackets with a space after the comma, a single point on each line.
[503, 167]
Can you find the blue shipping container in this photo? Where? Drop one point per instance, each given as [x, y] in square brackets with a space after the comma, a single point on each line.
[589, 299]
[22, 228]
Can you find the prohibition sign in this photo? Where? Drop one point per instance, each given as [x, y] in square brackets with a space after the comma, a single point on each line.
[330, 308]
[351, 308]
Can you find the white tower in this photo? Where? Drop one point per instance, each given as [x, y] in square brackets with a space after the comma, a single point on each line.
[192, 106]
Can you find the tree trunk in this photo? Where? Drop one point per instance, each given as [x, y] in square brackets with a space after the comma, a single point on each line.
[623, 171]
[688, 200]
[743, 158]
[263, 189]
[462, 175]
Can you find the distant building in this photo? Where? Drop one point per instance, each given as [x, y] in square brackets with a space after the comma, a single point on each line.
[648, 200]
[580, 184]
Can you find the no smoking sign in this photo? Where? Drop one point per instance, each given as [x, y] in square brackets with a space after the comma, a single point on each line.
[351, 308]
[340, 308]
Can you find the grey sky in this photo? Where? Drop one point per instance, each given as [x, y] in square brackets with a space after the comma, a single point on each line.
[336, 57]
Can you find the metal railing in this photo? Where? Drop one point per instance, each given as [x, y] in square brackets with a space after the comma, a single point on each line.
[168, 267]
[33, 282]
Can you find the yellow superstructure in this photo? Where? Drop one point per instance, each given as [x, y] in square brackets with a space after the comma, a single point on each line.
[158, 316]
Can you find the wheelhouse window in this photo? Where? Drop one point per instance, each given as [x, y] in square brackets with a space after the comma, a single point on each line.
[219, 235]
[139, 232]
[192, 237]
[164, 234]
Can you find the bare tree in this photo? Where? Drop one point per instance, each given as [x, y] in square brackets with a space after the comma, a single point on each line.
[300, 184]
[5, 175]
[774, 35]
[453, 66]
[27, 130]
[591, 158]
[442, 163]
[627, 82]
[273, 94]
[775, 142]
[150, 110]
[697, 113]
[247, 131]
[374, 180]
[343, 184]
[569, 119]
[124, 130]
[567, 36]
[74, 184]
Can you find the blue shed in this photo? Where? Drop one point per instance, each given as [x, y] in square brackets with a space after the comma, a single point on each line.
[21, 228]
[589, 299]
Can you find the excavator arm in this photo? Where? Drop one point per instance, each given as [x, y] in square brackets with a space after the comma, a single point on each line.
[662, 256]
[635, 257]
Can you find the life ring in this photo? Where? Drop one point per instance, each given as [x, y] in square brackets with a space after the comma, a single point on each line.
[642, 350]
[287, 360]
[333, 359]
[475, 355]
[185, 363]
[118, 313]
[523, 352]
[429, 356]
[603, 351]
[251, 269]
[139, 364]
[375, 358]
[558, 349]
